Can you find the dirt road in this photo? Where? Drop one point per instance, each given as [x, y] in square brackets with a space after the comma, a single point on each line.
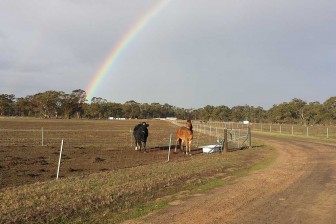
[299, 187]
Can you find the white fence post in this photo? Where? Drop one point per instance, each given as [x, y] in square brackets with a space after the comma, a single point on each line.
[59, 160]
[169, 146]
[42, 137]
[327, 132]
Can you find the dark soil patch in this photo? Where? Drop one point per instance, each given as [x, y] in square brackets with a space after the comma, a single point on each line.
[42, 168]
[23, 160]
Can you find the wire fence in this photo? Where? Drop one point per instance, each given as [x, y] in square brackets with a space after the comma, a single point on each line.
[328, 132]
[117, 138]
[205, 133]
[237, 134]
[95, 138]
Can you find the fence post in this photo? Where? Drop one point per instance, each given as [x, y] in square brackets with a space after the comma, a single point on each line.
[226, 145]
[307, 131]
[249, 137]
[169, 146]
[327, 132]
[59, 160]
[42, 137]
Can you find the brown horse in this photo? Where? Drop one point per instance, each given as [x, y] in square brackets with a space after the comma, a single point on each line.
[184, 135]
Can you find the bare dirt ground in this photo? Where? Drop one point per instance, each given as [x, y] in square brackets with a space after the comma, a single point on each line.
[24, 161]
[299, 187]
[23, 165]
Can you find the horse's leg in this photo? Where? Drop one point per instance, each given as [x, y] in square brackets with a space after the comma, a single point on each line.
[177, 141]
[186, 143]
[189, 143]
[187, 147]
[181, 145]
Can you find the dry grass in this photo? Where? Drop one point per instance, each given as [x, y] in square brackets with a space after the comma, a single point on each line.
[71, 198]
[98, 197]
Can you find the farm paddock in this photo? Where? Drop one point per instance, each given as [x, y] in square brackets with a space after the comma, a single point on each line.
[100, 177]
[90, 146]
[297, 184]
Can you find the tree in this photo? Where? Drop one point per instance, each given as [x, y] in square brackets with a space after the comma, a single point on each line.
[78, 99]
[330, 110]
[67, 105]
[145, 110]
[24, 106]
[298, 109]
[114, 110]
[132, 109]
[205, 112]
[221, 113]
[97, 108]
[282, 113]
[54, 104]
[74, 103]
[238, 113]
[292, 112]
[7, 102]
[166, 110]
[259, 115]
[313, 113]
[48, 104]
[155, 110]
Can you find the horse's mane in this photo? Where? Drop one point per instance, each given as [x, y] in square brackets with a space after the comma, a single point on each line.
[189, 125]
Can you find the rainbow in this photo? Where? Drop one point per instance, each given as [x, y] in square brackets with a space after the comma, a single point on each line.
[121, 46]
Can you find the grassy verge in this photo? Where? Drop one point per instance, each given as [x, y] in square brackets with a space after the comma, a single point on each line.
[319, 140]
[258, 166]
[124, 194]
[161, 203]
[195, 188]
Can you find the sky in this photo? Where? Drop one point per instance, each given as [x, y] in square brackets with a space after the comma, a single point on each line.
[186, 53]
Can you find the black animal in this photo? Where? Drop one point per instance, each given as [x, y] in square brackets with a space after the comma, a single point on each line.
[140, 133]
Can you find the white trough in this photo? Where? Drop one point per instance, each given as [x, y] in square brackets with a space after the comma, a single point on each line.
[211, 148]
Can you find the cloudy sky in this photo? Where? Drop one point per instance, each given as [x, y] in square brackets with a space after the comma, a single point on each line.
[190, 54]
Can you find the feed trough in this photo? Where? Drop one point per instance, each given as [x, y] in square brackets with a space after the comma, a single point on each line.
[211, 148]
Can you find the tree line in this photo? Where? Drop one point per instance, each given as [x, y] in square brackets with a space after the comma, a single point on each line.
[58, 104]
